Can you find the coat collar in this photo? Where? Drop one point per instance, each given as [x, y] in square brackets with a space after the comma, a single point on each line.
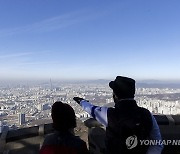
[126, 104]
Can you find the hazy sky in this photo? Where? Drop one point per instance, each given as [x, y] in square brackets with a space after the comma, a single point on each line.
[90, 39]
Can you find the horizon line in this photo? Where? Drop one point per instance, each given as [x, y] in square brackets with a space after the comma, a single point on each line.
[85, 79]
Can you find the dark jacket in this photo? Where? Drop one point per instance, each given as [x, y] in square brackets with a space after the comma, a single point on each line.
[63, 143]
[126, 120]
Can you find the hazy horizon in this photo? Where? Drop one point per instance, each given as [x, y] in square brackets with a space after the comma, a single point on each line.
[149, 81]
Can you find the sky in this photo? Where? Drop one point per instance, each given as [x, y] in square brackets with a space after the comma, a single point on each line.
[89, 39]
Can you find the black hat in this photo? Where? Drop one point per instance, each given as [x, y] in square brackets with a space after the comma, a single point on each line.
[63, 116]
[123, 87]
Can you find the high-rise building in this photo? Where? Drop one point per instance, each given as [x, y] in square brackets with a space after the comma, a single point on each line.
[21, 118]
[1, 126]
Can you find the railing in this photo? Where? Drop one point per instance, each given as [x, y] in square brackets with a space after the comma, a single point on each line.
[169, 126]
[14, 135]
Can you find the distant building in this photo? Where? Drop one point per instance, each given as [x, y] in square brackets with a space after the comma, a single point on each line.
[2, 107]
[39, 107]
[2, 113]
[46, 107]
[82, 115]
[1, 126]
[109, 100]
[21, 118]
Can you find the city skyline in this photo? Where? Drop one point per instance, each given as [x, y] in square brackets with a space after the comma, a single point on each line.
[29, 105]
[74, 40]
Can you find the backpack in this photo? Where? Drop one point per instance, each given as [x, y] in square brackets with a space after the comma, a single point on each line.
[126, 129]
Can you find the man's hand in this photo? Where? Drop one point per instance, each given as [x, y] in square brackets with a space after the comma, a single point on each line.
[78, 99]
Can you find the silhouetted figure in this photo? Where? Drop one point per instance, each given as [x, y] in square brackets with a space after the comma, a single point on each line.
[126, 123]
[63, 139]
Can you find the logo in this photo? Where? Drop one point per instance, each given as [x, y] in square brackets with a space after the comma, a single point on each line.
[131, 142]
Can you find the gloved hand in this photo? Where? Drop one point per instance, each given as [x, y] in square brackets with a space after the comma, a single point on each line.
[78, 99]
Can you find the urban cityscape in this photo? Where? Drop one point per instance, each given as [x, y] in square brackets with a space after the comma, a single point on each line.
[29, 104]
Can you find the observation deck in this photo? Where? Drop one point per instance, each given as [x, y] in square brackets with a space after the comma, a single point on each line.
[29, 140]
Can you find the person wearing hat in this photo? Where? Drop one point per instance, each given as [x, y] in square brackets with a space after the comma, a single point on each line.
[126, 123]
[63, 139]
